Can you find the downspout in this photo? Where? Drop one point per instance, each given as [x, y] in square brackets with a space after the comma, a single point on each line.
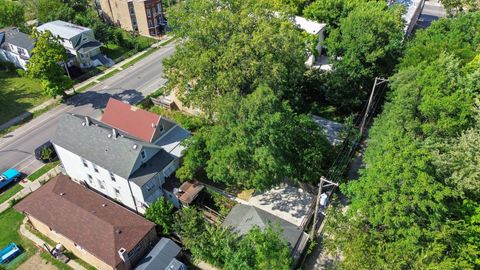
[133, 198]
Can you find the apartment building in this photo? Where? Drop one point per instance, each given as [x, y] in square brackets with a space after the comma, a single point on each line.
[127, 156]
[142, 16]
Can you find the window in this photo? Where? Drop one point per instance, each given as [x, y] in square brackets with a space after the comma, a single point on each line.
[132, 10]
[85, 163]
[150, 24]
[149, 13]
[150, 185]
[159, 8]
[101, 183]
[143, 154]
[95, 168]
[112, 176]
[117, 192]
[90, 178]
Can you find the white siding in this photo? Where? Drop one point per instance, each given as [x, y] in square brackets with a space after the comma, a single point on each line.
[74, 167]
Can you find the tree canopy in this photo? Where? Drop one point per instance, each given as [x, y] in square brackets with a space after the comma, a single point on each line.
[418, 191]
[11, 14]
[47, 64]
[232, 46]
[161, 213]
[257, 141]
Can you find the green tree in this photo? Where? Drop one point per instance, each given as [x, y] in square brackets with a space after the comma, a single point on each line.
[257, 141]
[330, 11]
[232, 46]
[260, 249]
[11, 14]
[418, 191]
[189, 224]
[456, 6]
[367, 44]
[47, 64]
[161, 213]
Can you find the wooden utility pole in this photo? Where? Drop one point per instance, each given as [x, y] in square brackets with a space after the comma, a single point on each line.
[324, 183]
[378, 81]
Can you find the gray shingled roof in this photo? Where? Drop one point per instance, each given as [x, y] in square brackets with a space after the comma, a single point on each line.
[149, 169]
[242, 218]
[14, 36]
[161, 256]
[92, 142]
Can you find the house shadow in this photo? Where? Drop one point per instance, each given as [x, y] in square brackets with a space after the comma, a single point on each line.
[98, 100]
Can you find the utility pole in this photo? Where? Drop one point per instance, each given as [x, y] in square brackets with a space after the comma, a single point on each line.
[324, 183]
[378, 81]
[68, 73]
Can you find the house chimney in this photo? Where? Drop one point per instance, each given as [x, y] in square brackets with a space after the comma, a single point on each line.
[122, 252]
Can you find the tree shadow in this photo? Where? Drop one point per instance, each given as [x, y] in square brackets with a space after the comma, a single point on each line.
[98, 100]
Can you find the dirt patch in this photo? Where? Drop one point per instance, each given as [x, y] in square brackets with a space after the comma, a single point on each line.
[36, 262]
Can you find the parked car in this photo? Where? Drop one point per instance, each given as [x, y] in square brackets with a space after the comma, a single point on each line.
[46, 152]
[8, 176]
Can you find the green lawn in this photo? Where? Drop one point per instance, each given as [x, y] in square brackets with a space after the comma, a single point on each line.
[113, 51]
[108, 75]
[43, 170]
[18, 94]
[7, 194]
[10, 221]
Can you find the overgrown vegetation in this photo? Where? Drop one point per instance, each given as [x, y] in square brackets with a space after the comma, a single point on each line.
[258, 249]
[419, 191]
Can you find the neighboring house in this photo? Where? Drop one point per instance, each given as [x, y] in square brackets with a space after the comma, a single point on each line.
[127, 157]
[318, 59]
[332, 130]
[164, 256]
[413, 11]
[15, 47]
[242, 218]
[142, 16]
[82, 48]
[286, 206]
[96, 230]
[181, 193]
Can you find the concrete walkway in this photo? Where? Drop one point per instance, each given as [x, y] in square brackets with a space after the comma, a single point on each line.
[29, 187]
[40, 243]
[94, 79]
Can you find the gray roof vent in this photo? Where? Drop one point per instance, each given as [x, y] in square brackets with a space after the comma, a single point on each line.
[135, 147]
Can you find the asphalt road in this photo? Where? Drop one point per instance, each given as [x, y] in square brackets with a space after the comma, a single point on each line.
[432, 11]
[131, 84]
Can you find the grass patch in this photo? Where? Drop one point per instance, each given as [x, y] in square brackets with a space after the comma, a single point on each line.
[19, 94]
[43, 170]
[85, 87]
[58, 264]
[114, 51]
[108, 75]
[246, 194]
[10, 221]
[188, 122]
[7, 194]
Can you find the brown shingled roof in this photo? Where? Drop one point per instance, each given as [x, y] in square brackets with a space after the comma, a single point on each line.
[97, 224]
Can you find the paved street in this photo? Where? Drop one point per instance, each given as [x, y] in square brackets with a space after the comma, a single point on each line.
[432, 11]
[131, 84]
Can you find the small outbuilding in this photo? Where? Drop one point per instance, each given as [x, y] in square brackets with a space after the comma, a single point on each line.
[162, 257]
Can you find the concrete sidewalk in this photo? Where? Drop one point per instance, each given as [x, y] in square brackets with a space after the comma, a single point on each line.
[94, 79]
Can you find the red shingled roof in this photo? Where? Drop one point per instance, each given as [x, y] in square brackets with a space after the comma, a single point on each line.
[98, 225]
[132, 120]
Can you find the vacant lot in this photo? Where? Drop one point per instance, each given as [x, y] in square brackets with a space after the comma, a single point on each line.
[18, 94]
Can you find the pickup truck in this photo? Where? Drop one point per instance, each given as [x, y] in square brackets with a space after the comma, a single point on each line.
[8, 176]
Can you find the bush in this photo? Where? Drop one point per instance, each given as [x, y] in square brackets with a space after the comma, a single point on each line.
[21, 72]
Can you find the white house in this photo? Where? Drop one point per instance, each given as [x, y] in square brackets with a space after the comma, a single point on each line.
[120, 164]
[15, 47]
[318, 29]
[82, 47]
